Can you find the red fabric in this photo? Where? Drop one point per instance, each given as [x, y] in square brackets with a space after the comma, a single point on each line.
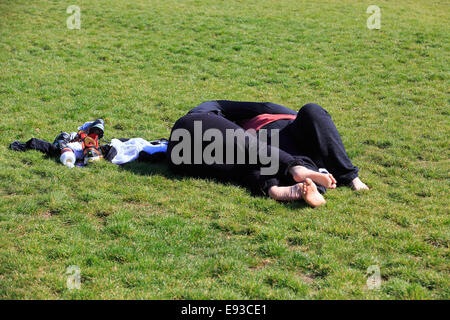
[262, 119]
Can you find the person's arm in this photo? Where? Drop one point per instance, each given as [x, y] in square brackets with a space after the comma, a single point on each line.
[240, 110]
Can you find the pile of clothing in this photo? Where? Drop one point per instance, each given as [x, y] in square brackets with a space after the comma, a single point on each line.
[83, 147]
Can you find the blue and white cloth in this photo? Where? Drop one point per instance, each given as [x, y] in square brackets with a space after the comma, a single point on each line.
[129, 150]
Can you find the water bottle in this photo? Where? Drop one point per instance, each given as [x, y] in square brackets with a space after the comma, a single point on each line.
[68, 157]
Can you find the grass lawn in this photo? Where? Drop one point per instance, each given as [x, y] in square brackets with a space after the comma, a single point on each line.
[140, 232]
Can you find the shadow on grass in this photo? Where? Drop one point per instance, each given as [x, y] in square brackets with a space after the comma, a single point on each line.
[150, 168]
[161, 168]
[295, 205]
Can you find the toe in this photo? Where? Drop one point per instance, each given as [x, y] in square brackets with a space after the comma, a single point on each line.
[332, 178]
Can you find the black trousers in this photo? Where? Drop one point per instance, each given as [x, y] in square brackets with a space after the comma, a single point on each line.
[311, 140]
[36, 144]
[234, 169]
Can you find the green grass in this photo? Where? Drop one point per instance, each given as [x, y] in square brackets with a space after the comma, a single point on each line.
[140, 232]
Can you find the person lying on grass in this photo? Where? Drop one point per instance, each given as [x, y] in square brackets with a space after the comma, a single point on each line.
[310, 154]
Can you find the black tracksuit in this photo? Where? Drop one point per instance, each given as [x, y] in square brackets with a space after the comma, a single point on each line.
[311, 140]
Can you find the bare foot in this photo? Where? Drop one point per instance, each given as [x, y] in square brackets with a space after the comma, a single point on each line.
[300, 174]
[306, 190]
[358, 185]
[290, 193]
[311, 195]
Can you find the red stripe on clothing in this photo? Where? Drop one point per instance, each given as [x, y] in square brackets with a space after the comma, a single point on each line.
[262, 119]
